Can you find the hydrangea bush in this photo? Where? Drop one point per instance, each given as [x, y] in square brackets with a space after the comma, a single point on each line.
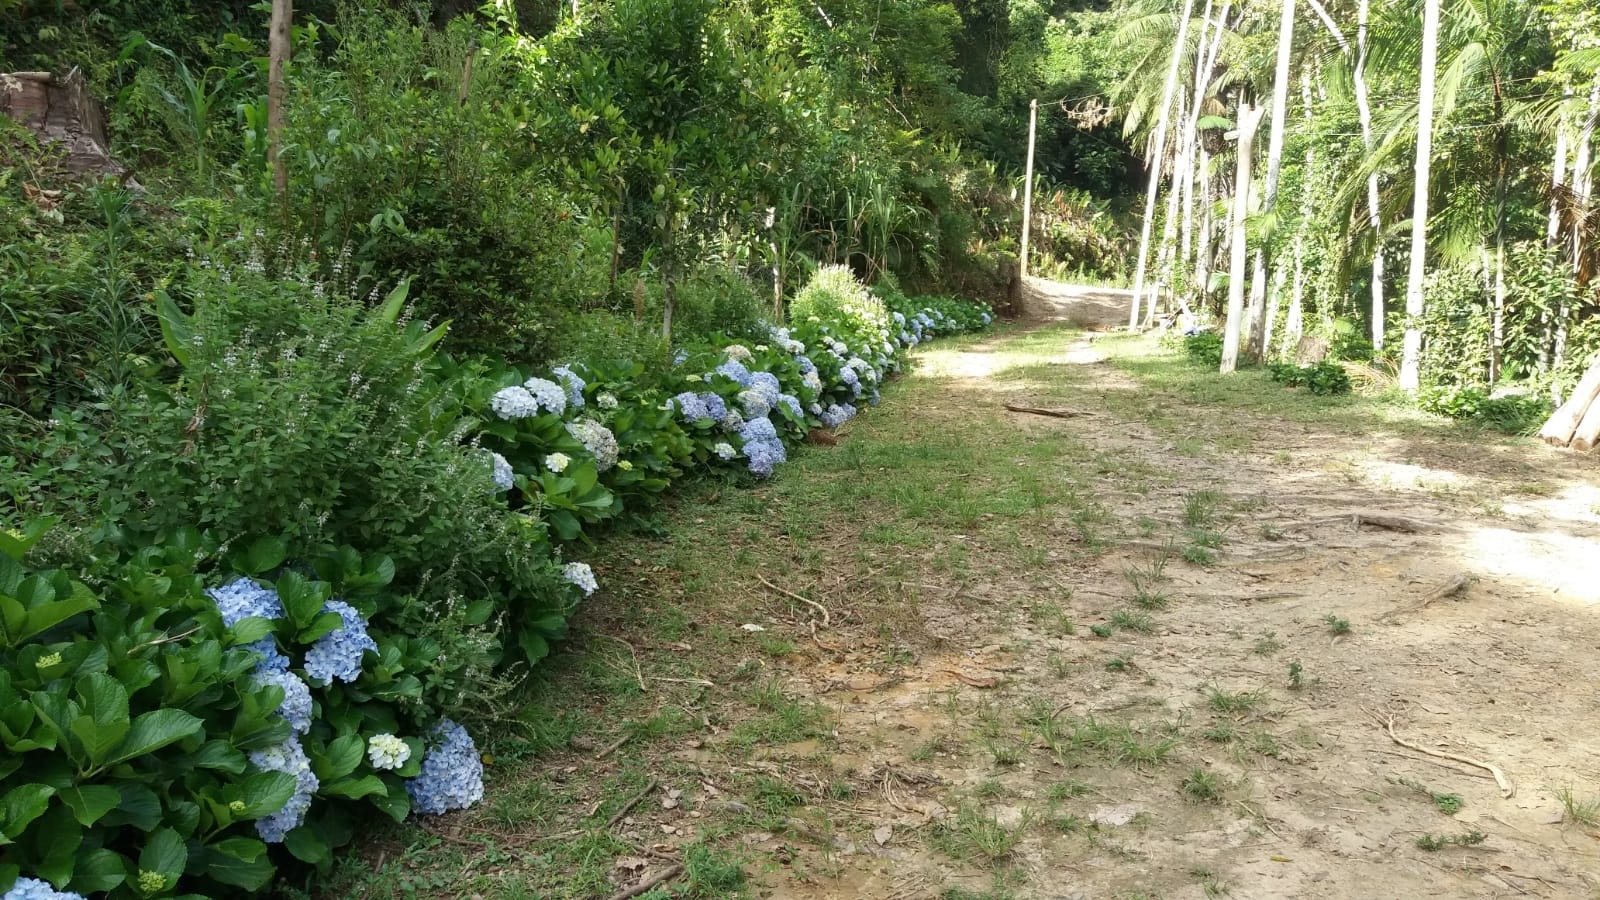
[189, 708]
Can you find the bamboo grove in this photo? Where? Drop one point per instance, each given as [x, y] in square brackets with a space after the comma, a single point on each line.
[1417, 175]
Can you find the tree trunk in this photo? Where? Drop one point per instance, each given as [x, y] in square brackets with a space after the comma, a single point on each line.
[1202, 254]
[1558, 430]
[1497, 327]
[1166, 260]
[1588, 434]
[1558, 177]
[1374, 219]
[278, 52]
[1249, 121]
[1255, 318]
[1273, 299]
[1411, 358]
[1582, 188]
[1156, 156]
[1254, 346]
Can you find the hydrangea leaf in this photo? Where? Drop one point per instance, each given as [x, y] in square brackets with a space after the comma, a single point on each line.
[264, 793]
[20, 806]
[166, 854]
[239, 861]
[355, 788]
[263, 555]
[249, 630]
[90, 802]
[308, 845]
[96, 870]
[156, 729]
[340, 758]
[323, 624]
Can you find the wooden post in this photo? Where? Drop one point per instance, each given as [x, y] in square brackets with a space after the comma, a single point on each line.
[278, 51]
[1027, 185]
[1249, 121]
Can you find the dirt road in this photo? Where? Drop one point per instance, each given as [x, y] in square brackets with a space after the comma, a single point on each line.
[1193, 636]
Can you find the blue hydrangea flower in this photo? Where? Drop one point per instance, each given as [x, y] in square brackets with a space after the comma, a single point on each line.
[792, 403]
[574, 385]
[680, 357]
[243, 599]
[987, 318]
[762, 446]
[581, 575]
[548, 394]
[766, 384]
[692, 407]
[289, 758]
[452, 772]
[296, 706]
[500, 471]
[813, 381]
[838, 414]
[753, 404]
[598, 440]
[337, 654]
[716, 407]
[899, 318]
[735, 370]
[732, 420]
[34, 889]
[513, 403]
[806, 365]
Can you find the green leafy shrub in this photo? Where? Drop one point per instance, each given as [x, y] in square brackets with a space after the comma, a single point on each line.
[158, 735]
[1514, 414]
[1324, 378]
[1204, 348]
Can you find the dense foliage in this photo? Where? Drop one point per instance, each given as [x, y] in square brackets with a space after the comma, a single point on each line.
[1503, 299]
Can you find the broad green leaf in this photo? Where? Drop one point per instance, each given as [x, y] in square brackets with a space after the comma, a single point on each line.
[249, 630]
[354, 788]
[302, 599]
[156, 729]
[264, 793]
[219, 755]
[165, 853]
[58, 836]
[307, 845]
[105, 723]
[97, 870]
[396, 803]
[177, 330]
[232, 862]
[324, 623]
[90, 802]
[20, 806]
[263, 555]
[140, 807]
[339, 759]
[15, 544]
[389, 312]
[48, 615]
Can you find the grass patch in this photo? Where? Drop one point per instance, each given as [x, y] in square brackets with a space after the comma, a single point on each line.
[972, 835]
[1336, 626]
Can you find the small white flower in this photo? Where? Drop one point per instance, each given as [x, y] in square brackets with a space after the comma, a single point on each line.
[580, 574]
[606, 401]
[387, 752]
[752, 628]
[557, 462]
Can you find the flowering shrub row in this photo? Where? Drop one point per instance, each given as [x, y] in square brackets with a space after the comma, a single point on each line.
[175, 704]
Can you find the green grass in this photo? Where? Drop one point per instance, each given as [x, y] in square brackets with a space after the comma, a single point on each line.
[1582, 810]
[972, 835]
[1336, 625]
[1436, 842]
[1132, 621]
[1230, 702]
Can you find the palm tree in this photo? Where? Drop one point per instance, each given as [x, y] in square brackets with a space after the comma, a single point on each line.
[1411, 359]
[1155, 155]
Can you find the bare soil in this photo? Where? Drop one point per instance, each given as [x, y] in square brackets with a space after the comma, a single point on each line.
[1172, 673]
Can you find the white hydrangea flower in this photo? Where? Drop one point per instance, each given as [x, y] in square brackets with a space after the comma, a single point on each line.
[606, 401]
[557, 462]
[387, 752]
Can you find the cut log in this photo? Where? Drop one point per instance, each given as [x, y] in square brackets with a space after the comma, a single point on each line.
[1587, 435]
[1561, 426]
